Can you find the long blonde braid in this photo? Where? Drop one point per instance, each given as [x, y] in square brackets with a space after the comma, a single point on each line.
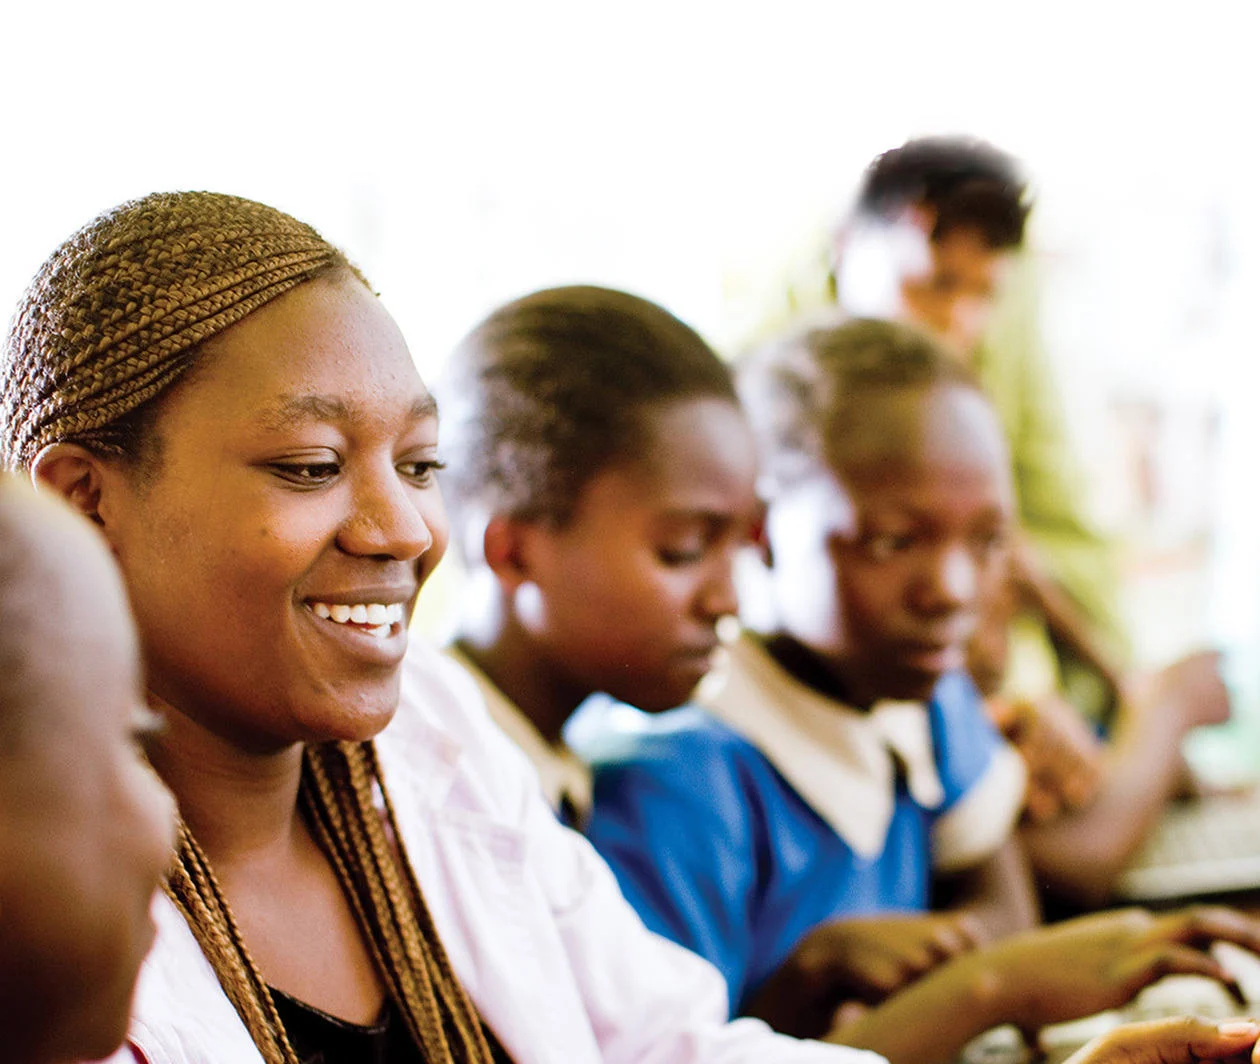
[110, 323]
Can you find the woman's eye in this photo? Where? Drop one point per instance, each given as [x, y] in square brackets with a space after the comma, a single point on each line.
[306, 474]
[421, 472]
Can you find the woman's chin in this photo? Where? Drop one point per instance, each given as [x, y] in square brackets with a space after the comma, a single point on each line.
[353, 716]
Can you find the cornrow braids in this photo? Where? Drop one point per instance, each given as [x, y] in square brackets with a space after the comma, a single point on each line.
[342, 798]
[113, 320]
[353, 819]
[800, 391]
[118, 312]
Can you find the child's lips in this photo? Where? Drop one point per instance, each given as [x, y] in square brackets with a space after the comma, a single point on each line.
[933, 657]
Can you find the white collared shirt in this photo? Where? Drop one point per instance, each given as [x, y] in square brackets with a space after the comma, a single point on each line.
[843, 762]
[556, 961]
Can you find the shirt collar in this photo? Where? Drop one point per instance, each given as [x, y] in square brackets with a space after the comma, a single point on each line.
[843, 762]
[562, 774]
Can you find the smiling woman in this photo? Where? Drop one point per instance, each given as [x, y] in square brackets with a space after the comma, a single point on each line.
[217, 389]
[365, 867]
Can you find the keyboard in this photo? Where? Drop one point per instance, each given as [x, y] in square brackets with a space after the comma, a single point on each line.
[1207, 846]
[1174, 995]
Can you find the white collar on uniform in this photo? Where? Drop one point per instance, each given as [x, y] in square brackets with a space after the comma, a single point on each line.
[560, 771]
[840, 760]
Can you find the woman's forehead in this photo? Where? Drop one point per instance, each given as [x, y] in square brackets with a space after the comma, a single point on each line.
[326, 351]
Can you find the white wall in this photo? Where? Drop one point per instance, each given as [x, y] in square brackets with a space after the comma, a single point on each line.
[464, 152]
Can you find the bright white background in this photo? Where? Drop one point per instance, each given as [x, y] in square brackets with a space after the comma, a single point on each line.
[466, 152]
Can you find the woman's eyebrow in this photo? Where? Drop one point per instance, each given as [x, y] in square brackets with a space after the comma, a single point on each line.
[293, 410]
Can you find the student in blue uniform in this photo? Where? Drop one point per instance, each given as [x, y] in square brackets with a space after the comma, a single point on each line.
[601, 474]
[845, 767]
[601, 480]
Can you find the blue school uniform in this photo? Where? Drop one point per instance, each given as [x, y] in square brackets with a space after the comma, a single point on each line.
[735, 829]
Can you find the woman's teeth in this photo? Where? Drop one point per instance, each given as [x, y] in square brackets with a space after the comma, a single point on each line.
[378, 617]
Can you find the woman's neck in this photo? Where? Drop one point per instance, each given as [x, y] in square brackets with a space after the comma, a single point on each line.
[239, 804]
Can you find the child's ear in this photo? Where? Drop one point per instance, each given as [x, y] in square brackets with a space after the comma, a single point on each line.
[761, 540]
[74, 473]
[505, 546]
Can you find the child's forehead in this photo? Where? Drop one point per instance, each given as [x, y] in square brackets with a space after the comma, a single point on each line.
[916, 432]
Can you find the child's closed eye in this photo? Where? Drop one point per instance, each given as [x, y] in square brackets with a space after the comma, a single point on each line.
[880, 546]
[679, 555]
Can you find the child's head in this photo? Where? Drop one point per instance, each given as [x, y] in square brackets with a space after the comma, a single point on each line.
[890, 501]
[600, 466]
[932, 230]
[85, 825]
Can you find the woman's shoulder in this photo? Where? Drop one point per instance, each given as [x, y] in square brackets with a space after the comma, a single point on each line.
[443, 746]
[181, 1014]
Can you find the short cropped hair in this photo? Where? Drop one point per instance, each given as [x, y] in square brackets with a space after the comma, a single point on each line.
[966, 182]
[803, 390]
[552, 388]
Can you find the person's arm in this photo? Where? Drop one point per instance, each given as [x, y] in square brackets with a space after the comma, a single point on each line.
[1063, 756]
[1178, 1040]
[997, 895]
[861, 960]
[978, 866]
[1079, 856]
[1045, 976]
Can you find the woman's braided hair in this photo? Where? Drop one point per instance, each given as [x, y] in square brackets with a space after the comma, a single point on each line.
[111, 322]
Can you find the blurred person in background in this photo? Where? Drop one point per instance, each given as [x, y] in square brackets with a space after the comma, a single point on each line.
[936, 238]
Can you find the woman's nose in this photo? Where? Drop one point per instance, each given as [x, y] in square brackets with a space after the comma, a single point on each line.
[386, 521]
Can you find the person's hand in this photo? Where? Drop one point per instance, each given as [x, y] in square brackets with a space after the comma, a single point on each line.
[1098, 962]
[1192, 688]
[1172, 1041]
[857, 962]
[1064, 758]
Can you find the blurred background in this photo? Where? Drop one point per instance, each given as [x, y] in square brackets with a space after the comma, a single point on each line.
[467, 152]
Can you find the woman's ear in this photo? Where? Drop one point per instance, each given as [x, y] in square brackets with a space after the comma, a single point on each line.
[74, 473]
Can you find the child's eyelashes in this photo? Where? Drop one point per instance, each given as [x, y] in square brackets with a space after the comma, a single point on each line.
[989, 543]
[883, 545]
[677, 557]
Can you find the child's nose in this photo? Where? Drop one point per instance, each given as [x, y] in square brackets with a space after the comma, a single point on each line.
[718, 596]
[951, 581]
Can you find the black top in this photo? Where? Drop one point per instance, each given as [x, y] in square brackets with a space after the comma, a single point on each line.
[318, 1038]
